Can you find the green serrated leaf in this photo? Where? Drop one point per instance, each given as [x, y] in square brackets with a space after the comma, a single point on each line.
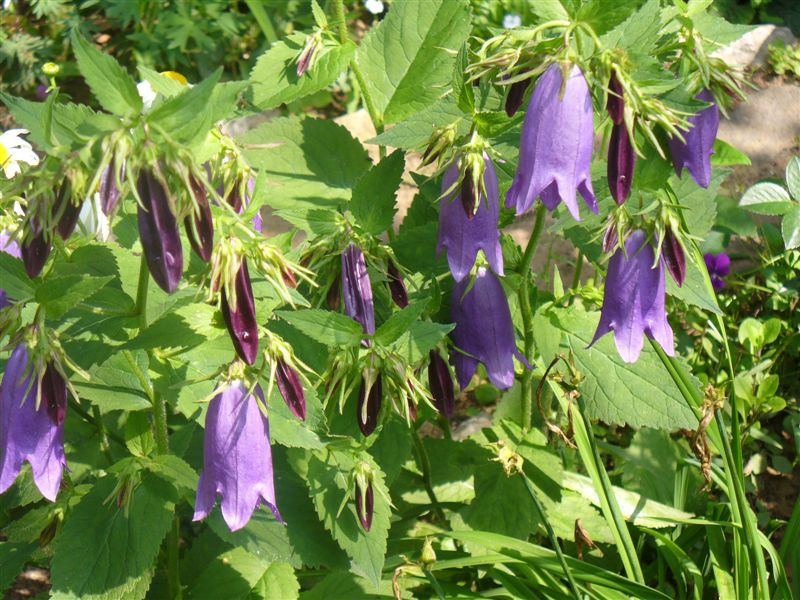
[324, 326]
[186, 117]
[373, 202]
[186, 327]
[694, 289]
[399, 323]
[113, 386]
[328, 473]
[726, 155]
[166, 86]
[176, 471]
[639, 32]
[766, 198]
[119, 563]
[13, 557]
[57, 295]
[420, 338]
[238, 575]
[109, 82]
[790, 228]
[408, 59]
[274, 79]
[16, 282]
[415, 132]
[310, 164]
[462, 87]
[139, 433]
[639, 394]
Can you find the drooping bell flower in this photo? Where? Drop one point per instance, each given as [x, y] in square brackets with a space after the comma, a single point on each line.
[357, 290]
[484, 331]
[36, 248]
[695, 153]
[462, 236]
[719, 266]
[621, 161]
[9, 246]
[633, 300]
[397, 287]
[28, 433]
[66, 211]
[556, 145]
[370, 398]
[158, 232]
[241, 319]
[674, 257]
[440, 384]
[291, 388]
[237, 458]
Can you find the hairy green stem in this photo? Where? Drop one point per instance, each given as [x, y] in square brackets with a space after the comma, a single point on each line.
[105, 447]
[527, 314]
[576, 277]
[425, 466]
[551, 534]
[369, 103]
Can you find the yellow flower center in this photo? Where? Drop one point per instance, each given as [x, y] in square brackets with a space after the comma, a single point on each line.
[4, 155]
[175, 76]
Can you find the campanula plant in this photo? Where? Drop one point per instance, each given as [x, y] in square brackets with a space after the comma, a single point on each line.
[246, 353]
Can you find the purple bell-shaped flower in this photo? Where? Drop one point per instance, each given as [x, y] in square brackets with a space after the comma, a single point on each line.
[633, 300]
[463, 236]
[28, 433]
[237, 458]
[556, 146]
[484, 331]
[695, 153]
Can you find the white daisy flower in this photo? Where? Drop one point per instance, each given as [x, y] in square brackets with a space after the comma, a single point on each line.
[14, 150]
[374, 6]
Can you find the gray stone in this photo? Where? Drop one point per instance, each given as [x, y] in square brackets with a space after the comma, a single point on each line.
[751, 49]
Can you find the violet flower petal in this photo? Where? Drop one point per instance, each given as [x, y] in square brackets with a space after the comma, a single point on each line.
[633, 300]
[556, 145]
[462, 236]
[357, 290]
[28, 434]
[484, 330]
[695, 153]
[237, 458]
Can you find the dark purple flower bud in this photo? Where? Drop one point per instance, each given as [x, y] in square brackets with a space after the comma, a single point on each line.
[27, 433]
[412, 409]
[235, 198]
[440, 384]
[397, 286]
[369, 406]
[109, 192]
[66, 212]
[288, 278]
[54, 394]
[291, 389]
[332, 298]
[237, 458]
[463, 237]
[200, 225]
[515, 96]
[621, 161]
[616, 100]
[633, 300]
[365, 506]
[610, 238]
[304, 60]
[35, 250]
[695, 153]
[9, 246]
[556, 145]
[158, 232]
[242, 322]
[468, 195]
[356, 289]
[674, 258]
[484, 331]
[719, 266]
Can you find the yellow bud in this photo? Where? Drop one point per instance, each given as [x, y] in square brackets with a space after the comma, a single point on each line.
[51, 69]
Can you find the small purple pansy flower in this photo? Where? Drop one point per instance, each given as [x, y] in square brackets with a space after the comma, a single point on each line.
[719, 266]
